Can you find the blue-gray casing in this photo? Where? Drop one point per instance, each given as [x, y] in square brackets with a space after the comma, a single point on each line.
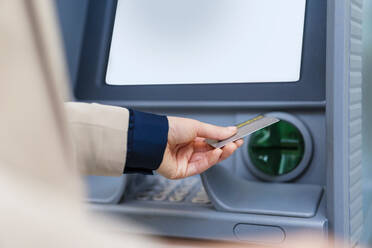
[325, 197]
[344, 118]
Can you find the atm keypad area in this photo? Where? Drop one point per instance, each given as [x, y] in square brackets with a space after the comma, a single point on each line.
[159, 190]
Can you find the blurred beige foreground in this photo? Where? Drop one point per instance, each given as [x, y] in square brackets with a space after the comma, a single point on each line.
[40, 187]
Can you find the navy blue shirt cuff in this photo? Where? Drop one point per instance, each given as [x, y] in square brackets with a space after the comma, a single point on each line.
[146, 142]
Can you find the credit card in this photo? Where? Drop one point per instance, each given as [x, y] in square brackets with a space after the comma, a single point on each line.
[246, 128]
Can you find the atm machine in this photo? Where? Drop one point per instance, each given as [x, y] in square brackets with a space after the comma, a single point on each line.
[224, 62]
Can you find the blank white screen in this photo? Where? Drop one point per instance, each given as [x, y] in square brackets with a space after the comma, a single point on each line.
[206, 41]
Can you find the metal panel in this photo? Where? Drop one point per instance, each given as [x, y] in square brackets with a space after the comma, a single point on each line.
[344, 108]
[355, 125]
[337, 117]
[204, 222]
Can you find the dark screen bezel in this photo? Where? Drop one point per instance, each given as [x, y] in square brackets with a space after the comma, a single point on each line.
[90, 84]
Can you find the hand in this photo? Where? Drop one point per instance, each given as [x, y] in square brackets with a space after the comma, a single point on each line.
[187, 153]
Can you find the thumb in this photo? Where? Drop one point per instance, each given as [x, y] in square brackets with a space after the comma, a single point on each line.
[215, 132]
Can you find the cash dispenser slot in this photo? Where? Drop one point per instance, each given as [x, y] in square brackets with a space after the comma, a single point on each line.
[229, 193]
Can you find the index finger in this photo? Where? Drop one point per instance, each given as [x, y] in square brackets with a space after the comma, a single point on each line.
[210, 131]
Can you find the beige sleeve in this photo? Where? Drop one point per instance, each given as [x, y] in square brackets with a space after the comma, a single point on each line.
[99, 137]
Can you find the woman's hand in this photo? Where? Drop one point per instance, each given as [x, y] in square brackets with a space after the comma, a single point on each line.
[187, 153]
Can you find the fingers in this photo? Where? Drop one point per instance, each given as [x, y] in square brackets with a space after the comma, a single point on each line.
[229, 149]
[214, 132]
[202, 146]
[197, 157]
[239, 142]
[203, 161]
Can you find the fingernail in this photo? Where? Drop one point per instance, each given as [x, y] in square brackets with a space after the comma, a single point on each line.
[218, 150]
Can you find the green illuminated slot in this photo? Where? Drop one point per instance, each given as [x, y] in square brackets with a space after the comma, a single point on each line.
[277, 149]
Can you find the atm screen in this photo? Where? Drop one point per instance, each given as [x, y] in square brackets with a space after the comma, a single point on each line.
[206, 41]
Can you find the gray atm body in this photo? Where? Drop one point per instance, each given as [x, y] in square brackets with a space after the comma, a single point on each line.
[325, 197]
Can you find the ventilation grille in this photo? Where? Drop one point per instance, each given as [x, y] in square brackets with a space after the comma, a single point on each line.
[355, 122]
